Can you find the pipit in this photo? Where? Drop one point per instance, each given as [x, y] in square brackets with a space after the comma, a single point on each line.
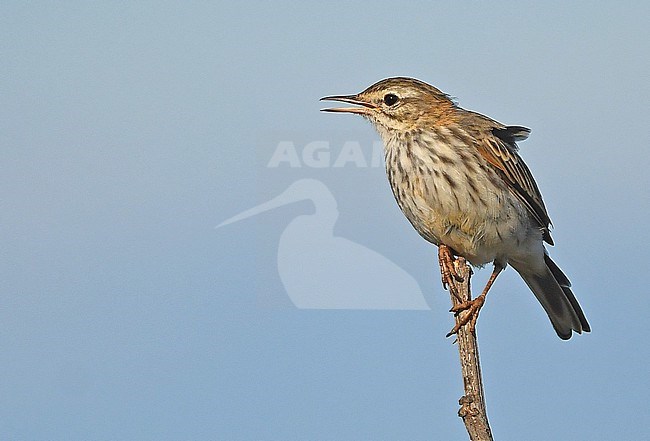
[457, 177]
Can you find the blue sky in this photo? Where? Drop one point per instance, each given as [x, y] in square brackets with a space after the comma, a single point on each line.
[129, 131]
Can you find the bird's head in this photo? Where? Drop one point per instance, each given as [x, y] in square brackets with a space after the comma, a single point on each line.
[398, 104]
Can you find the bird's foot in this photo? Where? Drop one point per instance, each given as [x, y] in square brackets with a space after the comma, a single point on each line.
[448, 270]
[472, 308]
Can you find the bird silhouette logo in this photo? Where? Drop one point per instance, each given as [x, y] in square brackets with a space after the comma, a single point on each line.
[322, 271]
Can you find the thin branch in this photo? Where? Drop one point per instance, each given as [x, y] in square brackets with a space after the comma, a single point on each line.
[472, 404]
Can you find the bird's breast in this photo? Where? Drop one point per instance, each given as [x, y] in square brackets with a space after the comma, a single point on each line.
[450, 194]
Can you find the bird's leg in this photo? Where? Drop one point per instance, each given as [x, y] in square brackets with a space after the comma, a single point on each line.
[447, 269]
[473, 307]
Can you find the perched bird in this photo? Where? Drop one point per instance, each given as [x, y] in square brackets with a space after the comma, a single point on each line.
[457, 177]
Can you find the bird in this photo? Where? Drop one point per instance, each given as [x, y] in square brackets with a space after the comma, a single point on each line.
[320, 270]
[459, 179]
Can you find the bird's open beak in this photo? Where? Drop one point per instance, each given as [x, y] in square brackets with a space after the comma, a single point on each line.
[352, 99]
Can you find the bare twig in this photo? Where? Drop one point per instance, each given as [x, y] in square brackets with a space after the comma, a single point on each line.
[472, 404]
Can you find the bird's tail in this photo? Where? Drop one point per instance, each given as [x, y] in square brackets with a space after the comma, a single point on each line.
[553, 290]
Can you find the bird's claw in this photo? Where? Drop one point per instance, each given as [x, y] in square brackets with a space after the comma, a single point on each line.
[448, 269]
[473, 308]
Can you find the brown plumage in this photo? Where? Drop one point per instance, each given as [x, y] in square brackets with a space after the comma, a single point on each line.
[458, 178]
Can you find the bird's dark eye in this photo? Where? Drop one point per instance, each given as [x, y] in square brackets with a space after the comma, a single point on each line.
[390, 99]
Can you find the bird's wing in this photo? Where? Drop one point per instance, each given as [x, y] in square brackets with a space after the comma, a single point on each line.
[500, 150]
